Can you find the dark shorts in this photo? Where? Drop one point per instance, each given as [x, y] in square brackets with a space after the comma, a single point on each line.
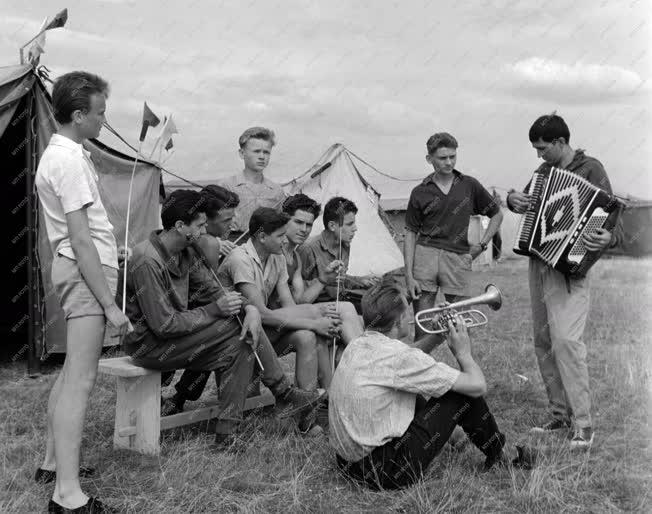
[75, 297]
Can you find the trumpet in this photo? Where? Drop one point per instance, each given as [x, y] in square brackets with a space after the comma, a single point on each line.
[439, 316]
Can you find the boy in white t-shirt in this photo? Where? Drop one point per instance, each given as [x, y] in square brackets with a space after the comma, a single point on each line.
[84, 276]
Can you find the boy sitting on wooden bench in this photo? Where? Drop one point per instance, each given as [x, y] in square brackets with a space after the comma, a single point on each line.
[168, 336]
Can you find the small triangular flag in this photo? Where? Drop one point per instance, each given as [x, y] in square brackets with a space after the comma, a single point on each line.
[149, 120]
[59, 20]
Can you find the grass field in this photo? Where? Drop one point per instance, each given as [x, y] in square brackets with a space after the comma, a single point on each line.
[282, 472]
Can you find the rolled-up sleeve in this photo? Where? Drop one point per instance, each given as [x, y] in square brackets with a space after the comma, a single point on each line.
[417, 372]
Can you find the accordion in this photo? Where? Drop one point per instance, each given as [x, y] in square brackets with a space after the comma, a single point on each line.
[564, 207]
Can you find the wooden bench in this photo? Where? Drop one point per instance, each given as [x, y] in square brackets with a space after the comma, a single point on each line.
[138, 421]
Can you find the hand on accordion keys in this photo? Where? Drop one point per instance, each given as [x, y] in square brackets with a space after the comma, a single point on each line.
[520, 202]
[597, 240]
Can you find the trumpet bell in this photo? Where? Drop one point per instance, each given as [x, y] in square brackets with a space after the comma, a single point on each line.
[494, 297]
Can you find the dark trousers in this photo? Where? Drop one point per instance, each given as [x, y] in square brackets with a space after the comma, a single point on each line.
[215, 348]
[403, 460]
[192, 383]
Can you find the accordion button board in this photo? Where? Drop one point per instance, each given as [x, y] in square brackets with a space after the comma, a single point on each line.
[564, 207]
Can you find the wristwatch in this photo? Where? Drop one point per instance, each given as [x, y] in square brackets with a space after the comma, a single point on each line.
[483, 246]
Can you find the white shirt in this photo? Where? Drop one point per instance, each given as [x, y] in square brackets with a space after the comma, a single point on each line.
[373, 392]
[66, 181]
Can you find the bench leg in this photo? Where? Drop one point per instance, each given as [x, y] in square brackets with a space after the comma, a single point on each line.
[138, 405]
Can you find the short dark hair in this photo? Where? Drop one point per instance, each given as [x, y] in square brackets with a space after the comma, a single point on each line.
[383, 304]
[440, 140]
[72, 92]
[182, 204]
[215, 198]
[548, 128]
[336, 208]
[301, 202]
[267, 220]
[257, 133]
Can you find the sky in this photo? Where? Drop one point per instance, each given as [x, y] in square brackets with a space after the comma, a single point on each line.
[378, 76]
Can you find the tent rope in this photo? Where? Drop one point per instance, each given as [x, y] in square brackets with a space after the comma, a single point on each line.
[158, 165]
[382, 173]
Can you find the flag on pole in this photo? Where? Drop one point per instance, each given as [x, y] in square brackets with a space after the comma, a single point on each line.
[38, 47]
[169, 128]
[59, 20]
[165, 137]
[149, 120]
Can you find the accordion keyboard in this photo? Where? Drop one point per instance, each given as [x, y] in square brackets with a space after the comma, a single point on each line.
[597, 220]
[529, 218]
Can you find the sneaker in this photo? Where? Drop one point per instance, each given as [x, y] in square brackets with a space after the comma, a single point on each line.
[582, 439]
[294, 401]
[552, 426]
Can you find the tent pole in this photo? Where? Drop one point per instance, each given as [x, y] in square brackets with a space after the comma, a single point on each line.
[34, 324]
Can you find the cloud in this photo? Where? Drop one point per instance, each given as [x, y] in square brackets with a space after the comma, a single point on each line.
[580, 82]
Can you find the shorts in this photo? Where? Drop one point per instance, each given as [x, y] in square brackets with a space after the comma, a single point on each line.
[75, 297]
[436, 269]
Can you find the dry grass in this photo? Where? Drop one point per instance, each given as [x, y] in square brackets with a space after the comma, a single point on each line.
[281, 472]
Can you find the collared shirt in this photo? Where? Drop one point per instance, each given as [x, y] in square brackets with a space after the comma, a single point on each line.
[243, 266]
[373, 392]
[160, 287]
[252, 196]
[442, 220]
[66, 181]
[316, 254]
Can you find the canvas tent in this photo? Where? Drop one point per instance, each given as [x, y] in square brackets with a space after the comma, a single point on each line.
[33, 323]
[337, 173]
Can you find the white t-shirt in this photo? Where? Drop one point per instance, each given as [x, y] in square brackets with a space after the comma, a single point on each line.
[66, 181]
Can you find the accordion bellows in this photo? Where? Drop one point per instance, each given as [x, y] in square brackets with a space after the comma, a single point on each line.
[564, 206]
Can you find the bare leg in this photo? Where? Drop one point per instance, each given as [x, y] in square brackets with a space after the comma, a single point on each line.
[76, 381]
[324, 359]
[49, 462]
[305, 344]
[351, 324]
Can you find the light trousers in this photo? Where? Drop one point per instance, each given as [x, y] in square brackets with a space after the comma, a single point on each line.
[559, 312]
